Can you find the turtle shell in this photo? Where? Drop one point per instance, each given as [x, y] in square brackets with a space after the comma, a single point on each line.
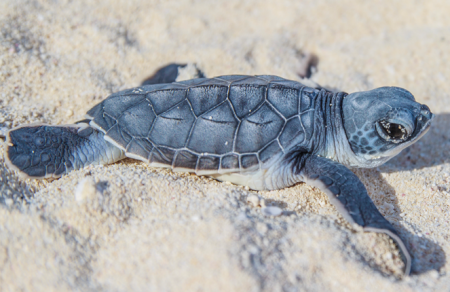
[208, 125]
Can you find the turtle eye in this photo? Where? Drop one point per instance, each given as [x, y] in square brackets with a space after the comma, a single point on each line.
[394, 131]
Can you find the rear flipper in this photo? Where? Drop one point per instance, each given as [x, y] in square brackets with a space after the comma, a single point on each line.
[349, 195]
[171, 72]
[40, 151]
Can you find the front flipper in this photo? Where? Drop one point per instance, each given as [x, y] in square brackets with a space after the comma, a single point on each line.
[349, 195]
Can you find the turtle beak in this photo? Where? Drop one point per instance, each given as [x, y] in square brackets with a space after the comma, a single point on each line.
[426, 113]
[425, 118]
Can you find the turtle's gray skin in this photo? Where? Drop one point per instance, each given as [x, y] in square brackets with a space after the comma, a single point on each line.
[264, 132]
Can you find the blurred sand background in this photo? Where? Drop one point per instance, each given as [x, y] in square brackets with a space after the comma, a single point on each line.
[130, 227]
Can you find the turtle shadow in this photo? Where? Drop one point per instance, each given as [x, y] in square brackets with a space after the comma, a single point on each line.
[426, 254]
[431, 150]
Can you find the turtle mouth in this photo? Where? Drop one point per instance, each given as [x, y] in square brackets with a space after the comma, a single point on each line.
[394, 131]
[426, 126]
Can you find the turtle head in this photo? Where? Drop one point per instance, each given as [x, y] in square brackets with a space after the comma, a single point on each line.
[380, 123]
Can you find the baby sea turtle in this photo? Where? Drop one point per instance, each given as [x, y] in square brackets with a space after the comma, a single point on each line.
[264, 132]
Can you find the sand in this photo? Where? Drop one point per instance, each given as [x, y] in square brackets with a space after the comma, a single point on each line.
[129, 227]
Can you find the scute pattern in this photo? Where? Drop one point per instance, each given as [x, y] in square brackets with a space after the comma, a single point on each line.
[203, 98]
[179, 120]
[292, 131]
[116, 105]
[223, 124]
[220, 120]
[230, 162]
[249, 160]
[270, 151]
[208, 164]
[258, 129]
[162, 155]
[140, 147]
[119, 136]
[308, 95]
[284, 99]
[246, 97]
[132, 118]
[185, 160]
[307, 120]
[162, 100]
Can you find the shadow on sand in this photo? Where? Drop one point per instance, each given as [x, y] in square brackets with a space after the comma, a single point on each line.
[426, 254]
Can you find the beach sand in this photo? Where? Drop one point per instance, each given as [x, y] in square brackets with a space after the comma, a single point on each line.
[129, 227]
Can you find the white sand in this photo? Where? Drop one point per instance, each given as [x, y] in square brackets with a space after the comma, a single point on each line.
[154, 230]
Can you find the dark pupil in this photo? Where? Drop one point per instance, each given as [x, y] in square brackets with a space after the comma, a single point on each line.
[394, 131]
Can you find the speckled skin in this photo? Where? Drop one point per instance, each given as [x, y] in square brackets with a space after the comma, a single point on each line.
[265, 132]
[393, 104]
